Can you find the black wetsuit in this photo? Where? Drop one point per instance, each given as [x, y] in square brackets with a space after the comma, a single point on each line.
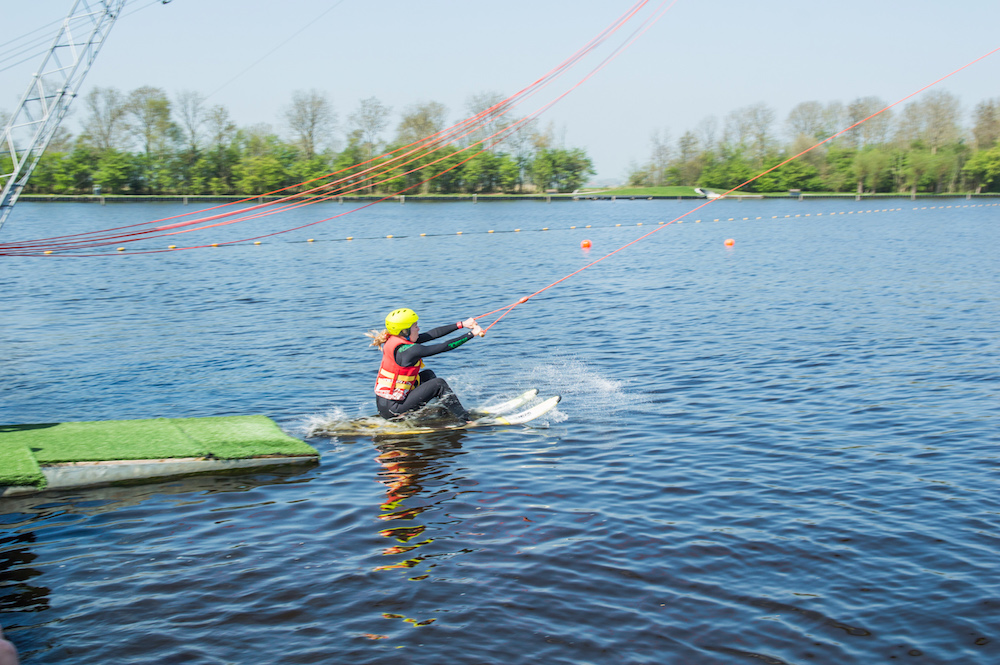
[407, 355]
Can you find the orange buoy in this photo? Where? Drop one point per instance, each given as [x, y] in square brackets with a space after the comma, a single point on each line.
[730, 242]
[585, 244]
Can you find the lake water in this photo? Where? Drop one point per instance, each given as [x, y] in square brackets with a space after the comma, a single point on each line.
[785, 451]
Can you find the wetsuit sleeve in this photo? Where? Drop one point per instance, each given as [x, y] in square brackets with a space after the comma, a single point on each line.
[437, 332]
[407, 355]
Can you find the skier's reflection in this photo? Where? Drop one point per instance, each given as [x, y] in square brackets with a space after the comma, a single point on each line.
[418, 477]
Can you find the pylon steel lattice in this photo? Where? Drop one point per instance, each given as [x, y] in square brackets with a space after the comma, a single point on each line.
[52, 89]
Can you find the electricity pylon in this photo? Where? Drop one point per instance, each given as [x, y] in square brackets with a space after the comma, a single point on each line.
[53, 88]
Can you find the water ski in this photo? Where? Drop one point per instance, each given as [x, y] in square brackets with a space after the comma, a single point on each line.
[493, 418]
[437, 419]
[505, 407]
[519, 418]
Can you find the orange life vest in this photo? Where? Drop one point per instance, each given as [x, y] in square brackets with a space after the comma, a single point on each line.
[395, 381]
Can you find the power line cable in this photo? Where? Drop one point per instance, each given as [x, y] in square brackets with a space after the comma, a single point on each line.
[28, 59]
[15, 51]
[151, 3]
[46, 39]
[16, 39]
[266, 55]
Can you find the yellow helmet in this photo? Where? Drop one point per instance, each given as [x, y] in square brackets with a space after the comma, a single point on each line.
[399, 320]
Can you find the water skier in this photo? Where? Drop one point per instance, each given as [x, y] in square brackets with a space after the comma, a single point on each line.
[401, 386]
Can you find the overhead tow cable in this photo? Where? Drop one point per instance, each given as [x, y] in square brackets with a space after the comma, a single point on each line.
[24, 247]
[444, 137]
[507, 309]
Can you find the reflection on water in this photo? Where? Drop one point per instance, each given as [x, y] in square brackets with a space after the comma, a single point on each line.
[17, 593]
[418, 479]
[111, 498]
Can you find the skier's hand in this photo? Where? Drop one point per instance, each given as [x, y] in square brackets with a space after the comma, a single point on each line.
[476, 330]
[469, 323]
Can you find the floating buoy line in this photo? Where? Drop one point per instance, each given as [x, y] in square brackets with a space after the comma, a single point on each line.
[507, 309]
[585, 244]
[384, 168]
[366, 176]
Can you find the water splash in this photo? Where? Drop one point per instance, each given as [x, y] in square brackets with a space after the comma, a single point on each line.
[336, 422]
[318, 424]
[588, 392]
[585, 391]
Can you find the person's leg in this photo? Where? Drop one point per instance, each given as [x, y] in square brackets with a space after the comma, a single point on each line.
[384, 407]
[449, 400]
[425, 392]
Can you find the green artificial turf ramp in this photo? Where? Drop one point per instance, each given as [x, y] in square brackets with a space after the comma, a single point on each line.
[17, 464]
[235, 437]
[112, 440]
[228, 437]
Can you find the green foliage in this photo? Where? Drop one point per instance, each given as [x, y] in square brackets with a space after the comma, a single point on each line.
[480, 173]
[61, 173]
[542, 170]
[836, 174]
[117, 173]
[984, 168]
[870, 167]
[257, 174]
[572, 169]
[305, 170]
[639, 176]
[447, 169]
[923, 152]
[349, 166]
[132, 144]
[560, 169]
[874, 168]
[727, 172]
[797, 174]
[508, 176]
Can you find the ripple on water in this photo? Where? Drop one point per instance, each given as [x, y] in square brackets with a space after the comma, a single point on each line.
[785, 452]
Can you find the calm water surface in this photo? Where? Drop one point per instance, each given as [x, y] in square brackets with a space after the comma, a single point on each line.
[781, 452]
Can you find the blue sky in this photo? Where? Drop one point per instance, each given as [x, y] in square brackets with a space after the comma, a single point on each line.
[703, 58]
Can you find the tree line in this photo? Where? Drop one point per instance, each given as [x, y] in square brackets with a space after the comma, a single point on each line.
[147, 142]
[923, 148]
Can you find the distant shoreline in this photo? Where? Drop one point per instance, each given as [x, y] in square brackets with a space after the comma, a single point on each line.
[475, 198]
